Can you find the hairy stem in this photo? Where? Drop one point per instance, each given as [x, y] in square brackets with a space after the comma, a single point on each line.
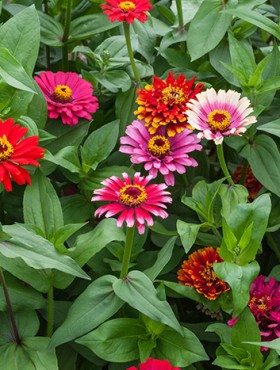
[50, 312]
[65, 36]
[221, 157]
[126, 28]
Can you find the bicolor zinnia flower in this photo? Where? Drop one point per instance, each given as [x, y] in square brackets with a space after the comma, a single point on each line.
[68, 96]
[250, 182]
[126, 11]
[135, 200]
[219, 114]
[154, 364]
[198, 272]
[160, 153]
[16, 152]
[264, 304]
[164, 103]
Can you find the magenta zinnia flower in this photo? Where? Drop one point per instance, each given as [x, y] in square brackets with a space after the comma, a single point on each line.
[134, 199]
[219, 114]
[158, 152]
[154, 364]
[126, 11]
[68, 96]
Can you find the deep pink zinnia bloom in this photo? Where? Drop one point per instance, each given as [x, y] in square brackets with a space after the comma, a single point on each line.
[126, 11]
[154, 364]
[219, 114]
[160, 153]
[68, 96]
[133, 199]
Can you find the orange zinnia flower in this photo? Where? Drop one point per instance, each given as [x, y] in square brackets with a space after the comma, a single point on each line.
[163, 103]
[198, 273]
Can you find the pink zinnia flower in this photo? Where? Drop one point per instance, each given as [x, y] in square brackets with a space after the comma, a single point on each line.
[219, 114]
[134, 199]
[126, 11]
[153, 364]
[158, 152]
[68, 96]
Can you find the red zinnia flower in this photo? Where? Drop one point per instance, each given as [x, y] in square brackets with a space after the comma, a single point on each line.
[15, 152]
[134, 199]
[68, 96]
[164, 103]
[153, 364]
[198, 272]
[126, 11]
[250, 182]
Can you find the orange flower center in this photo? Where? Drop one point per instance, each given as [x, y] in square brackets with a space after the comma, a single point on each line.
[159, 146]
[6, 148]
[208, 273]
[133, 195]
[125, 6]
[173, 95]
[219, 120]
[62, 93]
[261, 303]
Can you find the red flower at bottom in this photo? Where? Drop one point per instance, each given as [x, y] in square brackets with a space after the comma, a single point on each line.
[15, 152]
[153, 364]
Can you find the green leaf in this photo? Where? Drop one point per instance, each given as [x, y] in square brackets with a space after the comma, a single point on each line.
[138, 291]
[146, 38]
[51, 30]
[115, 340]
[274, 344]
[272, 127]
[231, 196]
[264, 159]
[188, 233]
[99, 145]
[62, 234]
[41, 205]
[38, 108]
[125, 106]
[240, 279]
[207, 28]
[76, 208]
[113, 81]
[21, 36]
[68, 158]
[95, 305]
[180, 350]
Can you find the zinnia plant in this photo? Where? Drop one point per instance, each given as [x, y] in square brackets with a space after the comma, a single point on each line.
[158, 152]
[154, 364]
[244, 174]
[15, 152]
[126, 11]
[163, 103]
[68, 96]
[198, 272]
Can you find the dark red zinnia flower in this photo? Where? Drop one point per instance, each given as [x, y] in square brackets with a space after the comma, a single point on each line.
[198, 272]
[250, 182]
[126, 11]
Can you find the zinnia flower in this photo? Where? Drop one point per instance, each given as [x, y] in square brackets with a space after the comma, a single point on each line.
[68, 96]
[126, 11]
[134, 199]
[198, 272]
[164, 103]
[153, 364]
[15, 152]
[219, 114]
[250, 182]
[158, 152]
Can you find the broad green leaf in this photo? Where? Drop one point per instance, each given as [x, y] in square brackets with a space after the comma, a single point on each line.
[240, 279]
[271, 84]
[21, 36]
[189, 7]
[68, 158]
[146, 38]
[138, 291]
[180, 350]
[125, 106]
[231, 196]
[76, 208]
[38, 108]
[274, 344]
[51, 30]
[172, 37]
[272, 127]
[188, 233]
[115, 340]
[41, 205]
[62, 234]
[114, 81]
[207, 28]
[96, 304]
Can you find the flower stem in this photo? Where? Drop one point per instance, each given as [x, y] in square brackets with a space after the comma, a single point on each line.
[181, 23]
[66, 36]
[130, 51]
[48, 52]
[222, 161]
[9, 308]
[50, 312]
[127, 251]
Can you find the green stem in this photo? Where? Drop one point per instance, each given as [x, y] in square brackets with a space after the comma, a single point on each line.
[130, 51]
[217, 234]
[48, 51]
[50, 312]
[9, 308]
[273, 245]
[181, 23]
[222, 161]
[127, 251]
[66, 36]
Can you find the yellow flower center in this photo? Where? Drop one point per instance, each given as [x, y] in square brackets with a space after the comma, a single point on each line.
[219, 120]
[208, 273]
[133, 195]
[62, 93]
[173, 95]
[6, 148]
[159, 146]
[125, 6]
[261, 303]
